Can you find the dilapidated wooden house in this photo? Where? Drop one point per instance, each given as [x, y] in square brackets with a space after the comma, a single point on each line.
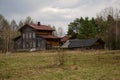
[36, 37]
[93, 43]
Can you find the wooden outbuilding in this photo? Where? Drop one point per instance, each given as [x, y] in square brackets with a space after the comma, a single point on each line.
[36, 37]
[93, 43]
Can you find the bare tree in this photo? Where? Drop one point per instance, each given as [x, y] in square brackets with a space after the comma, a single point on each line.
[112, 17]
[54, 32]
[28, 20]
[20, 24]
[6, 36]
[13, 25]
[117, 17]
[60, 32]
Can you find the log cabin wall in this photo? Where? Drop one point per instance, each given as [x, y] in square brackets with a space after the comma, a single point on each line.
[98, 45]
[49, 42]
[44, 32]
[28, 38]
[54, 43]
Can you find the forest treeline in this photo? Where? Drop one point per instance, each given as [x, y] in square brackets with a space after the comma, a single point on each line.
[105, 26]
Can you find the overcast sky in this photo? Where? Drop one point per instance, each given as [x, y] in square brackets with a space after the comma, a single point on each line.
[54, 12]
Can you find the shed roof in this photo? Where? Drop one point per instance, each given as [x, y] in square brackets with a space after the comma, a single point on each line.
[76, 43]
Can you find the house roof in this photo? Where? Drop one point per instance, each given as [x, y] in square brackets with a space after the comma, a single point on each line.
[41, 27]
[67, 37]
[38, 27]
[76, 43]
[49, 37]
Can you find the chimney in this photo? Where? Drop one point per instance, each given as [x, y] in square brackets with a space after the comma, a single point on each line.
[38, 23]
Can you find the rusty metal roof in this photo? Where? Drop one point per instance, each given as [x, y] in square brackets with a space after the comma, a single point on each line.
[41, 27]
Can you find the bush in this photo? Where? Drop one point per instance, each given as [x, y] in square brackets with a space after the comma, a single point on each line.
[60, 58]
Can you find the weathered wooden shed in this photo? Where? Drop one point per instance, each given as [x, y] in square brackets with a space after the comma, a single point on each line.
[93, 43]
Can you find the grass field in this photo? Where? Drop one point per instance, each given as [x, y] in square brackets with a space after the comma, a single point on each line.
[78, 65]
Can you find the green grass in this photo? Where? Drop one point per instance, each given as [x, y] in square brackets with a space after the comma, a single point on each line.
[78, 65]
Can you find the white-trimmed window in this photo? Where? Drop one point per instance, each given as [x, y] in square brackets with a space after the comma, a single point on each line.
[31, 45]
[26, 35]
[34, 44]
[30, 35]
[23, 45]
[33, 35]
[23, 35]
[39, 44]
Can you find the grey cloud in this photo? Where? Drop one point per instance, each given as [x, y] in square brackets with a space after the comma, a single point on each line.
[21, 6]
[60, 12]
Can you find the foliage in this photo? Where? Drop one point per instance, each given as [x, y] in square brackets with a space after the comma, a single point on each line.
[20, 24]
[54, 32]
[110, 19]
[28, 20]
[1, 43]
[74, 26]
[13, 25]
[60, 32]
[8, 31]
[6, 35]
[85, 28]
[105, 26]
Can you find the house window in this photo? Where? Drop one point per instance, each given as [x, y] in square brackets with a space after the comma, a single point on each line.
[23, 45]
[26, 35]
[39, 44]
[27, 45]
[23, 35]
[30, 35]
[33, 35]
[34, 44]
[31, 45]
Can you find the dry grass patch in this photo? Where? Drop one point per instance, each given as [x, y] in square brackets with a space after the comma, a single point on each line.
[44, 65]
